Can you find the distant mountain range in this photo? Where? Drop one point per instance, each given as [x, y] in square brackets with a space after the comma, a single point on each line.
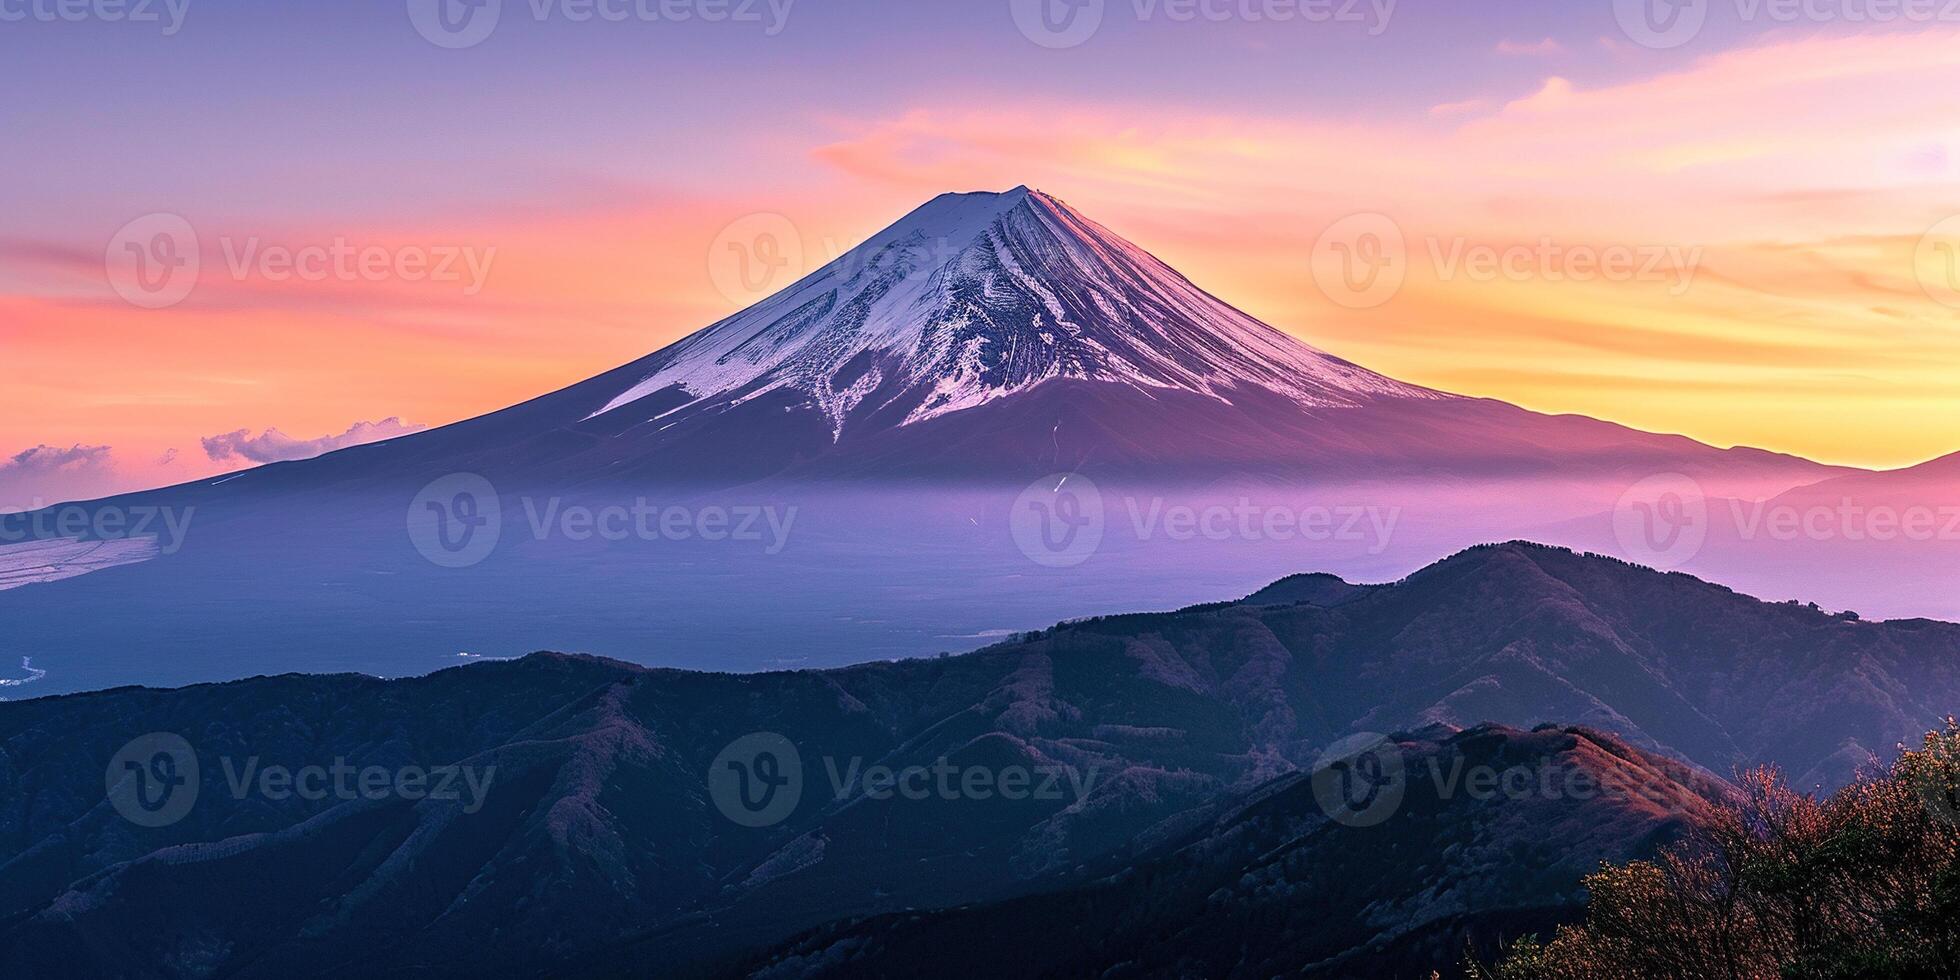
[1158, 782]
[1004, 336]
[999, 337]
[895, 401]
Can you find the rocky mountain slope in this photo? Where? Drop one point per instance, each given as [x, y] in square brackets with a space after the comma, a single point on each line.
[1272, 885]
[601, 828]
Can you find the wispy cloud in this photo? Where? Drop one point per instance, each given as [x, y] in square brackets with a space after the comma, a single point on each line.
[42, 460]
[43, 475]
[1804, 226]
[273, 446]
[1808, 219]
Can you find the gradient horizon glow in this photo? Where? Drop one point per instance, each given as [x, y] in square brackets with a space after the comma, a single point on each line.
[1809, 166]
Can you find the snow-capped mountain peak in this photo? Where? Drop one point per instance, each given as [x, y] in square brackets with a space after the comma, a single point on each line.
[977, 297]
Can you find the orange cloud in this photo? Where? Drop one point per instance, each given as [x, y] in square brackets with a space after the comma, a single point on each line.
[1804, 225]
[1804, 325]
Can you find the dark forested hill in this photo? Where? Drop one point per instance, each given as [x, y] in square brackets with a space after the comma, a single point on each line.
[1272, 886]
[697, 819]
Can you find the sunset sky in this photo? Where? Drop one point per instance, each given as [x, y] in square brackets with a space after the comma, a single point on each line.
[1788, 192]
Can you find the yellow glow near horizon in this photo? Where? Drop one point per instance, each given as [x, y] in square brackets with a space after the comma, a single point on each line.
[1820, 314]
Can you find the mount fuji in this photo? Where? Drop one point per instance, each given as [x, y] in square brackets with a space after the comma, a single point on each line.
[999, 337]
[978, 297]
[886, 408]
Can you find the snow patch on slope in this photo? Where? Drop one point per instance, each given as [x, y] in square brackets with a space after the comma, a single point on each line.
[975, 297]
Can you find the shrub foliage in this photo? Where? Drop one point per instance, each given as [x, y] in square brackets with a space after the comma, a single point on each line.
[1782, 884]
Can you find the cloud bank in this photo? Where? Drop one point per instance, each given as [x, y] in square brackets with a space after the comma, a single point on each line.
[46, 475]
[274, 446]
